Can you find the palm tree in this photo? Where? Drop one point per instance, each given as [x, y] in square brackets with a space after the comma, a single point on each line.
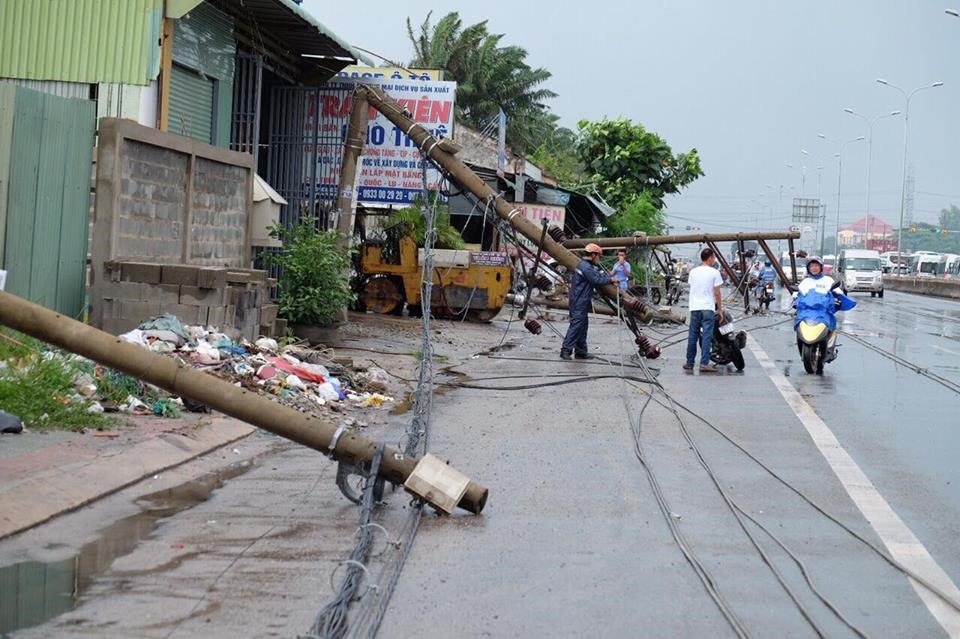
[489, 77]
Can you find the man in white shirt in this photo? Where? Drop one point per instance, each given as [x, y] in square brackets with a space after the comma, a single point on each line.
[705, 282]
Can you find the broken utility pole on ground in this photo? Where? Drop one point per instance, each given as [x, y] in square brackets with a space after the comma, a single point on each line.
[180, 379]
[710, 239]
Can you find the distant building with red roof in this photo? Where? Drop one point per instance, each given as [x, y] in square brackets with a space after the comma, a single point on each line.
[867, 232]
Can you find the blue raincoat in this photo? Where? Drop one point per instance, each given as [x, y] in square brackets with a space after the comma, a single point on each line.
[821, 307]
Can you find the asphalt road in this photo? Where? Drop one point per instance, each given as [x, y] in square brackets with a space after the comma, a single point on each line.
[573, 541]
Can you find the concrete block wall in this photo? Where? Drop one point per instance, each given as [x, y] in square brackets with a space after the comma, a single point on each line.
[171, 201]
[218, 297]
[152, 204]
[218, 229]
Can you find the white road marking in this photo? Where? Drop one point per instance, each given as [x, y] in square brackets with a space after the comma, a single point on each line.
[896, 536]
[945, 350]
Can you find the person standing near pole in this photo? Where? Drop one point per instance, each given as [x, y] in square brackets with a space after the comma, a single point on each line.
[621, 270]
[705, 303]
[586, 278]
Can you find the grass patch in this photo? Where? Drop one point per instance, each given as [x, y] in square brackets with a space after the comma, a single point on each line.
[36, 385]
[418, 355]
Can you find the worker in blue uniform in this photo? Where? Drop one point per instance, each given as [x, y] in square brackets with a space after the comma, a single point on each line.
[584, 280]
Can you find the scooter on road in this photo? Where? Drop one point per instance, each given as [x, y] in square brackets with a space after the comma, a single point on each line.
[816, 326]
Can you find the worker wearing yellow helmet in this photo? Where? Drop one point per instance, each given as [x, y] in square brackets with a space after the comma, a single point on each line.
[584, 280]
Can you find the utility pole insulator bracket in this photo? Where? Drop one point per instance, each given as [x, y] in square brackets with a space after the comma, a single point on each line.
[438, 484]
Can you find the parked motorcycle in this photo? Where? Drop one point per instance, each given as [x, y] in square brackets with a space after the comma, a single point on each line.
[727, 342]
[816, 325]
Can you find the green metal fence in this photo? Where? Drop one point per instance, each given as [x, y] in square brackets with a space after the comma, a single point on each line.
[46, 145]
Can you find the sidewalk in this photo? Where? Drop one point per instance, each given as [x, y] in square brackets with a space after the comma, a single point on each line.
[44, 474]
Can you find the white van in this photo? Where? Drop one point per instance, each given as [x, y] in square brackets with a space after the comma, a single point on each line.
[859, 270]
[927, 264]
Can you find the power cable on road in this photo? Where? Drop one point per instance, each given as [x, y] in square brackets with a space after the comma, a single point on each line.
[943, 381]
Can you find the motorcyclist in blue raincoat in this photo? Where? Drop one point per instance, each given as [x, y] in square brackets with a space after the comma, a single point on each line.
[817, 299]
[584, 280]
[767, 274]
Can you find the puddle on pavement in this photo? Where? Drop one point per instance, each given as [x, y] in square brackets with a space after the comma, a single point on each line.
[33, 592]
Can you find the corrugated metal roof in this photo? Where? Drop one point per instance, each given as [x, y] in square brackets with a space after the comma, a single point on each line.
[292, 28]
[322, 28]
[81, 40]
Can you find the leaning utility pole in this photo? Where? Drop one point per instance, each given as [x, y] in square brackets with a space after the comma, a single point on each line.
[432, 149]
[180, 379]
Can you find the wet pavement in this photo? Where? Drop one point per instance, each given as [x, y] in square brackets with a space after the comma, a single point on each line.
[573, 541]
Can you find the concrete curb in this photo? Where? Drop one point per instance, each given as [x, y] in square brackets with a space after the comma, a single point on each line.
[59, 490]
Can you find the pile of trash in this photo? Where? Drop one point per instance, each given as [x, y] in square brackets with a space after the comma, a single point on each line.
[299, 377]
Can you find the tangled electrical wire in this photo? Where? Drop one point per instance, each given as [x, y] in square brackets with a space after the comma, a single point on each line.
[675, 408]
[333, 622]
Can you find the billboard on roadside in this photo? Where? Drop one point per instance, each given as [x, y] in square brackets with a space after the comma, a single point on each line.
[391, 168]
[389, 73]
[555, 216]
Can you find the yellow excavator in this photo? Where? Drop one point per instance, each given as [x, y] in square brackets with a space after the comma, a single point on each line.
[471, 284]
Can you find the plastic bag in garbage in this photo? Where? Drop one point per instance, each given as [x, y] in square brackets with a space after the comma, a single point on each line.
[134, 337]
[10, 423]
[293, 381]
[267, 344]
[337, 387]
[327, 391]
[374, 379]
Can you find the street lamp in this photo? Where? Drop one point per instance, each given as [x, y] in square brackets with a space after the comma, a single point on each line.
[803, 174]
[952, 12]
[870, 122]
[839, 156]
[906, 128]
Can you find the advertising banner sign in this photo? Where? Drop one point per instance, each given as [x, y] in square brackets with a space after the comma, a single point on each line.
[389, 73]
[391, 169]
[555, 216]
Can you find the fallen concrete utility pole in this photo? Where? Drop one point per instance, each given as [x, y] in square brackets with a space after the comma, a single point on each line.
[182, 380]
[562, 304]
[432, 148]
[710, 239]
[690, 238]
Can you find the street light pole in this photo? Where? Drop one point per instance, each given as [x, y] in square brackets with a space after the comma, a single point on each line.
[870, 122]
[839, 156]
[803, 175]
[906, 129]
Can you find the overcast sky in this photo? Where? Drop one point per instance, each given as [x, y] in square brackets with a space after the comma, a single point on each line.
[749, 84]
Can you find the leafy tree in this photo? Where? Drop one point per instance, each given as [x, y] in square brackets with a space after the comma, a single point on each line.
[489, 77]
[557, 156]
[638, 213]
[633, 169]
[950, 218]
[926, 238]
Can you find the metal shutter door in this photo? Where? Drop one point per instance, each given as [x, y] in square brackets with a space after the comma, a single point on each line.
[191, 104]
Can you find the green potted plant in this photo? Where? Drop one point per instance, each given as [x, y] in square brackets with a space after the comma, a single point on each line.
[314, 279]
